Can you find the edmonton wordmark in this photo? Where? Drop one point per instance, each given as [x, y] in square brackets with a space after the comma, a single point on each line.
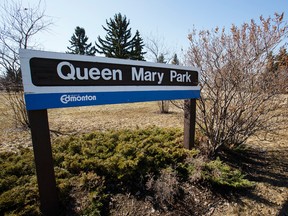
[57, 72]
[67, 98]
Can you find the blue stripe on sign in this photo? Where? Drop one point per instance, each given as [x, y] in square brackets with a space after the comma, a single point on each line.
[59, 100]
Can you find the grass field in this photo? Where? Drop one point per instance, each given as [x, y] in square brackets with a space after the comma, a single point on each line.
[265, 161]
[78, 120]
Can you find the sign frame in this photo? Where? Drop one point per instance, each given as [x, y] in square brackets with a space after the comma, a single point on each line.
[40, 96]
[122, 91]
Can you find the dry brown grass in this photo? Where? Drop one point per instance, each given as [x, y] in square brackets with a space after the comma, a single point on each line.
[135, 115]
[77, 120]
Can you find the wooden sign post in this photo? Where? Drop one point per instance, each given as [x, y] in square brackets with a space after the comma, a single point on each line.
[56, 80]
[40, 133]
[189, 123]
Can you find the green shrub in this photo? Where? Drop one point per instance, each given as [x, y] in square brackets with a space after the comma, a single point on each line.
[126, 155]
[88, 166]
[18, 187]
[221, 174]
[21, 199]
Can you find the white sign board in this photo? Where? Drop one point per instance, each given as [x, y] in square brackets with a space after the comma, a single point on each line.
[54, 80]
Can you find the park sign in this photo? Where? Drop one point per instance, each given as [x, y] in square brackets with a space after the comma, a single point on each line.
[55, 80]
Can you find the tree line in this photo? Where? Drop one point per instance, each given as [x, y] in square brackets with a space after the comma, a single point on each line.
[118, 42]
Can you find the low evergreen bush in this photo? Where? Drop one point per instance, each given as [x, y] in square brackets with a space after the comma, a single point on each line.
[91, 167]
[122, 156]
[221, 174]
[18, 185]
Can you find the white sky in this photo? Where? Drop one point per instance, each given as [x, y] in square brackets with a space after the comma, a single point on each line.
[168, 20]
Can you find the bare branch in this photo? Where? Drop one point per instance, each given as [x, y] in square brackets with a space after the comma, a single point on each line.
[19, 25]
[239, 97]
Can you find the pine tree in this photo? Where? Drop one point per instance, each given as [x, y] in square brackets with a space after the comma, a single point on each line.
[118, 42]
[175, 60]
[161, 58]
[137, 49]
[79, 43]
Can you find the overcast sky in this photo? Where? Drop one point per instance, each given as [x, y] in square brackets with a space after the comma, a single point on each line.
[169, 20]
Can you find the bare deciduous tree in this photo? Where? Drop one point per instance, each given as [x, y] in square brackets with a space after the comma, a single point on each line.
[157, 51]
[18, 26]
[234, 105]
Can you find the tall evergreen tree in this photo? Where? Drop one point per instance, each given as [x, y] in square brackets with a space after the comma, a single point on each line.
[79, 43]
[118, 42]
[137, 49]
